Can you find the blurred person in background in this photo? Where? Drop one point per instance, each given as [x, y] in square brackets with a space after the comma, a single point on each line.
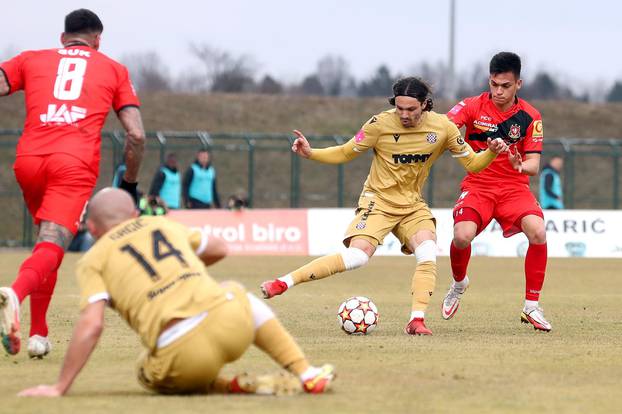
[551, 189]
[501, 191]
[199, 183]
[166, 183]
[406, 141]
[69, 92]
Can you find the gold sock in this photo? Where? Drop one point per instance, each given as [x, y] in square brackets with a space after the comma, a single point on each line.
[423, 283]
[273, 339]
[319, 269]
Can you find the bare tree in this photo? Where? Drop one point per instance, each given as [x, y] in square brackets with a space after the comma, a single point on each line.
[379, 84]
[224, 72]
[148, 71]
[269, 85]
[334, 75]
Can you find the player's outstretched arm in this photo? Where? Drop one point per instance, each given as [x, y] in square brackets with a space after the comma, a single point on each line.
[338, 154]
[83, 342]
[477, 162]
[134, 142]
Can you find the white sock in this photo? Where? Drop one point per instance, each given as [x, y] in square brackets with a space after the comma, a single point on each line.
[531, 304]
[462, 284]
[309, 373]
[289, 281]
[416, 314]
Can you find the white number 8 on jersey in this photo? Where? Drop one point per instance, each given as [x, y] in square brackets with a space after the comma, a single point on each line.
[69, 78]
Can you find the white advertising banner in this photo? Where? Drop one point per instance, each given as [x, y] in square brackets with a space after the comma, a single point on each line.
[570, 233]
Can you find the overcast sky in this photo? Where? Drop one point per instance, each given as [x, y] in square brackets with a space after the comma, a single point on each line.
[575, 40]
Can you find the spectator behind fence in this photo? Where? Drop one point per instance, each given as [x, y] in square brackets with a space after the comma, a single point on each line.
[237, 201]
[199, 184]
[166, 183]
[551, 194]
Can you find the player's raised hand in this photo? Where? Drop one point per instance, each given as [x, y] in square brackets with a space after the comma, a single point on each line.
[41, 391]
[515, 159]
[497, 145]
[301, 145]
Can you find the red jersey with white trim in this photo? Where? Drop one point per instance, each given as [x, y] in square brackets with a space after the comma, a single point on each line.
[520, 127]
[69, 93]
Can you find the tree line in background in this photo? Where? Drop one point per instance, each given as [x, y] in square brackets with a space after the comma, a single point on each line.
[221, 71]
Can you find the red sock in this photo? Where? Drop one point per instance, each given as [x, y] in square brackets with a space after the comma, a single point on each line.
[34, 271]
[39, 303]
[459, 261]
[535, 267]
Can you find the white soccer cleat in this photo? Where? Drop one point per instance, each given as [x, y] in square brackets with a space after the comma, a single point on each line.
[38, 346]
[9, 320]
[535, 316]
[452, 298]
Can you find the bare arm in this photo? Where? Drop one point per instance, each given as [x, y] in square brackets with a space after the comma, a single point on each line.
[83, 342]
[476, 162]
[215, 251]
[530, 166]
[4, 84]
[338, 154]
[134, 143]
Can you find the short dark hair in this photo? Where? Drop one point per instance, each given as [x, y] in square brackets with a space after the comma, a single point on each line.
[504, 62]
[83, 21]
[415, 88]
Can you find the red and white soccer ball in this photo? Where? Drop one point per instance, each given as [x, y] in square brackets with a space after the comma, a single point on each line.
[358, 315]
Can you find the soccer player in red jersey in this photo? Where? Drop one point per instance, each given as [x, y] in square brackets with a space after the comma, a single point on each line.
[69, 92]
[501, 191]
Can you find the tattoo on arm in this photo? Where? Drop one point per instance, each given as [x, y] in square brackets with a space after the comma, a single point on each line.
[54, 233]
[134, 142]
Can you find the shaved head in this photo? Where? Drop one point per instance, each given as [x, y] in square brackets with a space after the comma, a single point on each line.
[107, 208]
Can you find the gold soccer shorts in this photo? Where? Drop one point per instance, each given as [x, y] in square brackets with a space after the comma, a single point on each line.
[375, 219]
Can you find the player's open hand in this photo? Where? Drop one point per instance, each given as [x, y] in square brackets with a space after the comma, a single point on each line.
[515, 159]
[301, 145]
[41, 391]
[497, 145]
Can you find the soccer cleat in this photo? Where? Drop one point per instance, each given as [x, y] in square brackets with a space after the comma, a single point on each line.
[321, 381]
[9, 320]
[271, 288]
[452, 299]
[417, 327]
[279, 384]
[535, 316]
[38, 346]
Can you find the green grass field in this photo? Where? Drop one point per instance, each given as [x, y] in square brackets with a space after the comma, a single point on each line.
[482, 361]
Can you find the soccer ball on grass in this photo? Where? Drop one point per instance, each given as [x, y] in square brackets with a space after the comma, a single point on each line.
[358, 315]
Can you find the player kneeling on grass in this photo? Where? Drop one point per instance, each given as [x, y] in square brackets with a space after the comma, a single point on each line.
[406, 141]
[151, 271]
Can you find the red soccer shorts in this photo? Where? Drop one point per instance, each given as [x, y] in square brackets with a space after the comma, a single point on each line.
[56, 187]
[506, 204]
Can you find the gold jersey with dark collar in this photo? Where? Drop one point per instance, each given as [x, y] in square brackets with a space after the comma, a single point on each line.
[148, 271]
[403, 156]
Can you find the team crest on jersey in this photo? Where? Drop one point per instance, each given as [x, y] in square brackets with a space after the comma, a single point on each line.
[431, 137]
[514, 133]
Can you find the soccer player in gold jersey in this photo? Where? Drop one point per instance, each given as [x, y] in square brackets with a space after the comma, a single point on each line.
[152, 272]
[406, 141]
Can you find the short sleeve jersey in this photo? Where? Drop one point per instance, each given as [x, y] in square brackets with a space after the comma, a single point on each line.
[403, 156]
[520, 127]
[68, 94]
[148, 271]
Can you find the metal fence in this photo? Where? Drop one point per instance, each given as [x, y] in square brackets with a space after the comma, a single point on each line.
[263, 168]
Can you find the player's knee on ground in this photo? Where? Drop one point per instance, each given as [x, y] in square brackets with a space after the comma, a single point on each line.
[354, 258]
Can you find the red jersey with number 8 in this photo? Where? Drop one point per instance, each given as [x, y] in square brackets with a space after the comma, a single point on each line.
[520, 127]
[69, 93]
